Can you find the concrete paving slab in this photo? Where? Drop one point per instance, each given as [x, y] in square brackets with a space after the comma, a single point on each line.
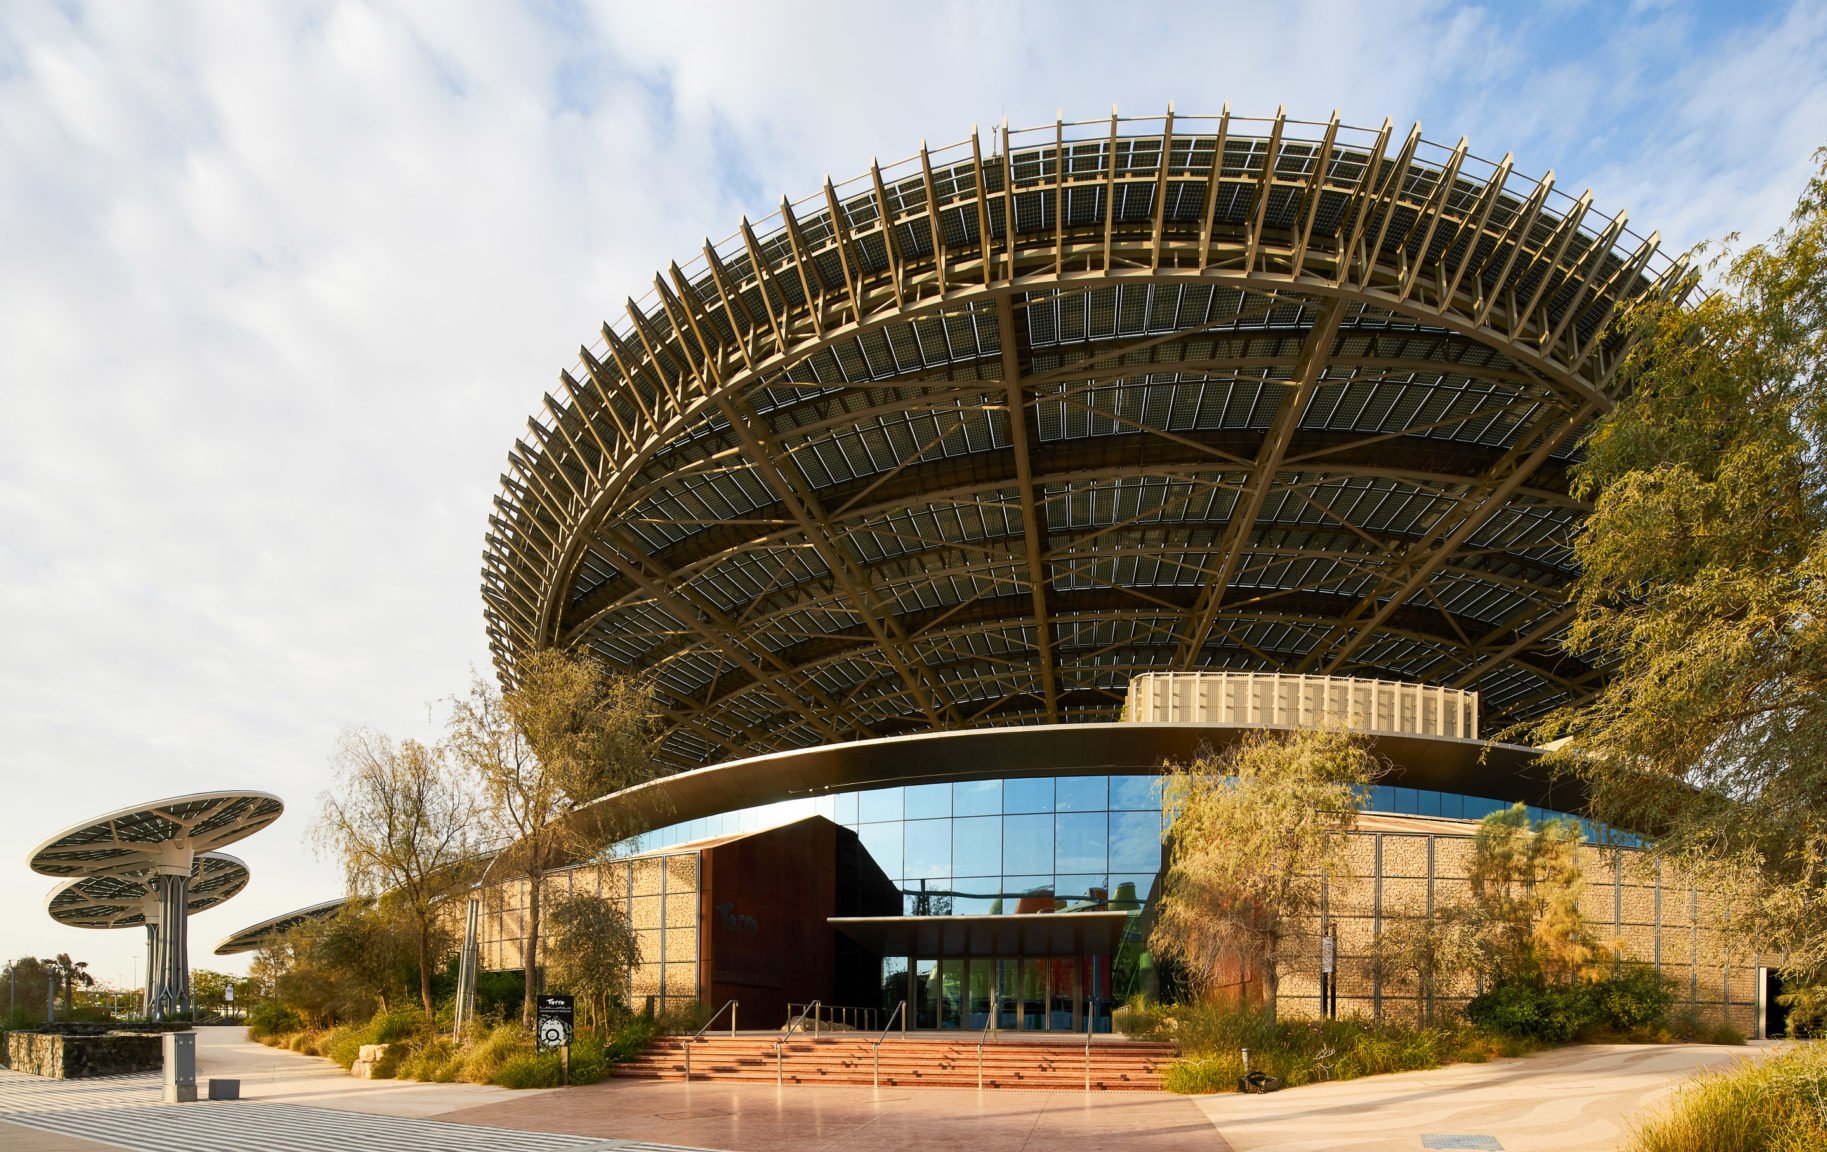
[1581, 1099]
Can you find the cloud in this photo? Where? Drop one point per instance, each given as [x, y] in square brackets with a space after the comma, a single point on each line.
[283, 282]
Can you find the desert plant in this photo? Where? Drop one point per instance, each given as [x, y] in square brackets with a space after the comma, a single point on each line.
[1779, 1105]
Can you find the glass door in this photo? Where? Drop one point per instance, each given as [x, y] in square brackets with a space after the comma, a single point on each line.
[1062, 1015]
[951, 992]
[1033, 1003]
[981, 980]
[1008, 992]
[926, 993]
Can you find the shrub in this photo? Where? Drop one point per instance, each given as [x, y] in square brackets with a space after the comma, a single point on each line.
[1807, 1007]
[485, 1059]
[1548, 1013]
[530, 1070]
[1140, 1019]
[388, 1027]
[1777, 1106]
[434, 1061]
[271, 1018]
[1202, 1076]
[1634, 998]
[343, 1044]
[1694, 1028]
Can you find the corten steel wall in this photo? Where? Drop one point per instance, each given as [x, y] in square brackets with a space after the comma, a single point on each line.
[660, 894]
[765, 902]
[1658, 916]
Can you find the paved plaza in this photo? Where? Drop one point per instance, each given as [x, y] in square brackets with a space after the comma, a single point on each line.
[1575, 1100]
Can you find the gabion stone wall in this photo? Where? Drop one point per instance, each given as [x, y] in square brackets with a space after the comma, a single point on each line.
[659, 893]
[1657, 916]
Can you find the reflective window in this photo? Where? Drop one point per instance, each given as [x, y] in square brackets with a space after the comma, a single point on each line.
[1135, 841]
[1081, 841]
[929, 849]
[883, 843]
[1028, 795]
[1082, 794]
[1135, 793]
[880, 804]
[925, 801]
[977, 845]
[977, 798]
[1027, 845]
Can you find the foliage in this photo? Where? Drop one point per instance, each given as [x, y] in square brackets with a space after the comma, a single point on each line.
[1778, 1105]
[1701, 582]
[26, 983]
[1256, 832]
[345, 967]
[400, 818]
[209, 989]
[567, 733]
[1525, 882]
[271, 1018]
[1210, 1039]
[1807, 1006]
[67, 974]
[1630, 1003]
[1427, 956]
[592, 950]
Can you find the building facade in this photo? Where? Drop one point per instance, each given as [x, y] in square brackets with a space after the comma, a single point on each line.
[930, 504]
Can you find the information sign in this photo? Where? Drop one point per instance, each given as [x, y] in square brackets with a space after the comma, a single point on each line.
[552, 1018]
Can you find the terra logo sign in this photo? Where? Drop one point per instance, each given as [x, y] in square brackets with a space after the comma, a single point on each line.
[735, 921]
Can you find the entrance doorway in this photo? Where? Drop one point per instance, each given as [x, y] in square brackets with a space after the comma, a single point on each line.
[1022, 993]
[1772, 1016]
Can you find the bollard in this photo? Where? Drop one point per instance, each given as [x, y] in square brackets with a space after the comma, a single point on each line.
[180, 1067]
[221, 1089]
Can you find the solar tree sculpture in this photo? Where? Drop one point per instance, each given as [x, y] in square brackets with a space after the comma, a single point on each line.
[274, 929]
[159, 842]
[129, 901]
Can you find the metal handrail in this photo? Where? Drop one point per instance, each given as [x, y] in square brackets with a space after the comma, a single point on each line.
[875, 1050]
[988, 1023]
[787, 1034]
[696, 1036]
[1090, 1023]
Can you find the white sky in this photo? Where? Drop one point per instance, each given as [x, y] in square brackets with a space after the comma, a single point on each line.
[280, 283]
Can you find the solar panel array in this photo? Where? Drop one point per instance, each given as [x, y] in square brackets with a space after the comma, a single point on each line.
[1304, 398]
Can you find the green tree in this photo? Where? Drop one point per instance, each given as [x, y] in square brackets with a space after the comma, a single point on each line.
[1525, 882]
[1427, 956]
[68, 974]
[345, 967]
[402, 820]
[1703, 583]
[593, 949]
[567, 733]
[1256, 833]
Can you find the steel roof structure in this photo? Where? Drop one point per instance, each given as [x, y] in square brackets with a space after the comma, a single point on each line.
[972, 439]
[274, 928]
[110, 901]
[134, 840]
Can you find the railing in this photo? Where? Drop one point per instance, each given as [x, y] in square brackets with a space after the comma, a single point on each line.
[696, 1036]
[787, 1034]
[1090, 1023]
[875, 1050]
[988, 1023]
[839, 1015]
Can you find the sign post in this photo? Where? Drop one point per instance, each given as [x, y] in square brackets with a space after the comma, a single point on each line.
[552, 1027]
[1329, 963]
[228, 995]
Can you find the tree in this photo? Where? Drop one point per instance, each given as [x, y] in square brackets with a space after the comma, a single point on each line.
[1256, 833]
[568, 732]
[403, 822]
[1525, 882]
[1702, 583]
[345, 967]
[67, 974]
[25, 981]
[593, 949]
[1428, 955]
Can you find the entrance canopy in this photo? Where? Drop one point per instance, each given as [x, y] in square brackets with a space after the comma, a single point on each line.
[1015, 934]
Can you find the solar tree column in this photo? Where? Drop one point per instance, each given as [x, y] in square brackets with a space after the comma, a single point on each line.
[150, 910]
[171, 883]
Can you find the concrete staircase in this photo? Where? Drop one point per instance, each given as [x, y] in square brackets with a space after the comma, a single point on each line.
[925, 1061]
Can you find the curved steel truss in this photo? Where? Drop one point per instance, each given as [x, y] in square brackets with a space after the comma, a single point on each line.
[973, 439]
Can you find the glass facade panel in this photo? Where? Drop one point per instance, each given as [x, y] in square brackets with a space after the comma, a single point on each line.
[977, 845]
[883, 843]
[1028, 794]
[1027, 845]
[977, 798]
[880, 804]
[1082, 841]
[1135, 841]
[1082, 794]
[926, 801]
[929, 849]
[1134, 793]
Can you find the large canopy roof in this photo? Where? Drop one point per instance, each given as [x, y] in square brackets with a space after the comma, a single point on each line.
[132, 839]
[121, 901]
[274, 927]
[973, 439]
